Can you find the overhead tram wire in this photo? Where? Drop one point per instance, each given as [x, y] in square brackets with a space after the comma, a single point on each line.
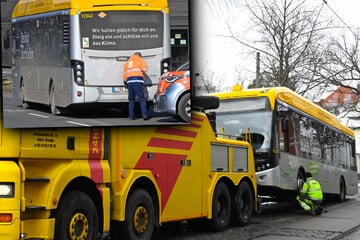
[337, 15]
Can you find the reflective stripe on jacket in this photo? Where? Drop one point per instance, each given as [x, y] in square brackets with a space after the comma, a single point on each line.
[135, 79]
[134, 69]
[312, 189]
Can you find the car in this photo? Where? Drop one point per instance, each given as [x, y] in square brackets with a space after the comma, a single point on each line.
[173, 94]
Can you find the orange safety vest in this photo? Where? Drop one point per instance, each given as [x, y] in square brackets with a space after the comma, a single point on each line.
[134, 67]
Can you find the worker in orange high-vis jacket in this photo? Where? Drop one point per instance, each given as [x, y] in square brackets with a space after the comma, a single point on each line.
[134, 70]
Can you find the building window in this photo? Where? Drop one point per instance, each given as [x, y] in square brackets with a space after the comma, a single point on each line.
[7, 39]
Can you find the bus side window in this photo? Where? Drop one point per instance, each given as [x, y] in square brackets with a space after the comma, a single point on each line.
[289, 133]
[285, 124]
[351, 145]
[284, 134]
[294, 134]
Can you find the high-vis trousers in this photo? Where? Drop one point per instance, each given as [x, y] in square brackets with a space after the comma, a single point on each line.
[307, 204]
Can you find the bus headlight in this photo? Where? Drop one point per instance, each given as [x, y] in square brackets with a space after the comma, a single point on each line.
[6, 190]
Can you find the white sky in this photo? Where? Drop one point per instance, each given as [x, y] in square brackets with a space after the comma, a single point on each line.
[222, 55]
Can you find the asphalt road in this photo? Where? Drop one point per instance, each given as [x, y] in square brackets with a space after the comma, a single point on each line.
[282, 221]
[15, 116]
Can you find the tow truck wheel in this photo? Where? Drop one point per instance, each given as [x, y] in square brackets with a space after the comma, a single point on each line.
[139, 216]
[243, 204]
[221, 207]
[76, 217]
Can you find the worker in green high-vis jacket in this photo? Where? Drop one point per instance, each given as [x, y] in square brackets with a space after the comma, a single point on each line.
[311, 196]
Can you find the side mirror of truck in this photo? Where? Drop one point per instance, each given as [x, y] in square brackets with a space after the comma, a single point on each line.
[205, 102]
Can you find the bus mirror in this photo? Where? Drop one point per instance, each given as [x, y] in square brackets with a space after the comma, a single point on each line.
[285, 124]
[205, 102]
[257, 140]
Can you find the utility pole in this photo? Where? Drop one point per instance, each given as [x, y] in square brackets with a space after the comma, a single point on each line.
[258, 78]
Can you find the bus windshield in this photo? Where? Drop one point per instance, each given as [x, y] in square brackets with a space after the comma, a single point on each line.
[121, 30]
[234, 117]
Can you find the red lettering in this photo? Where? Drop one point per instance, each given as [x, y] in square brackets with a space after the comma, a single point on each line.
[95, 144]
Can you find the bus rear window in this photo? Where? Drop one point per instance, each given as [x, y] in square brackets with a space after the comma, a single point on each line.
[121, 30]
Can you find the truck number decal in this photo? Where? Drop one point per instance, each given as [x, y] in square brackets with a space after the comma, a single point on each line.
[95, 144]
[95, 154]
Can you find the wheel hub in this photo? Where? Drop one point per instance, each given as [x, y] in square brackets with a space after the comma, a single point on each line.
[141, 220]
[79, 227]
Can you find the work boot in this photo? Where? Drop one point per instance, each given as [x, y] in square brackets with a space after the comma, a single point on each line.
[313, 212]
[319, 210]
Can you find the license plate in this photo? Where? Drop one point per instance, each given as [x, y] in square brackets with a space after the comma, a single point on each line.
[118, 90]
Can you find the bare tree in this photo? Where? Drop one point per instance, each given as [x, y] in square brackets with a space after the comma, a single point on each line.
[342, 64]
[206, 82]
[341, 70]
[290, 40]
[297, 50]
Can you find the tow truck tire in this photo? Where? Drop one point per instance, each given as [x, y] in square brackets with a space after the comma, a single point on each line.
[243, 205]
[76, 217]
[221, 207]
[139, 216]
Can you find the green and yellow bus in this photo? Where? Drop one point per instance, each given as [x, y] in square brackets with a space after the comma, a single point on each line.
[71, 52]
[291, 135]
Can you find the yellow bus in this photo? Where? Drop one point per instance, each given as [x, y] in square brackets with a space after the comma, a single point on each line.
[291, 135]
[71, 52]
